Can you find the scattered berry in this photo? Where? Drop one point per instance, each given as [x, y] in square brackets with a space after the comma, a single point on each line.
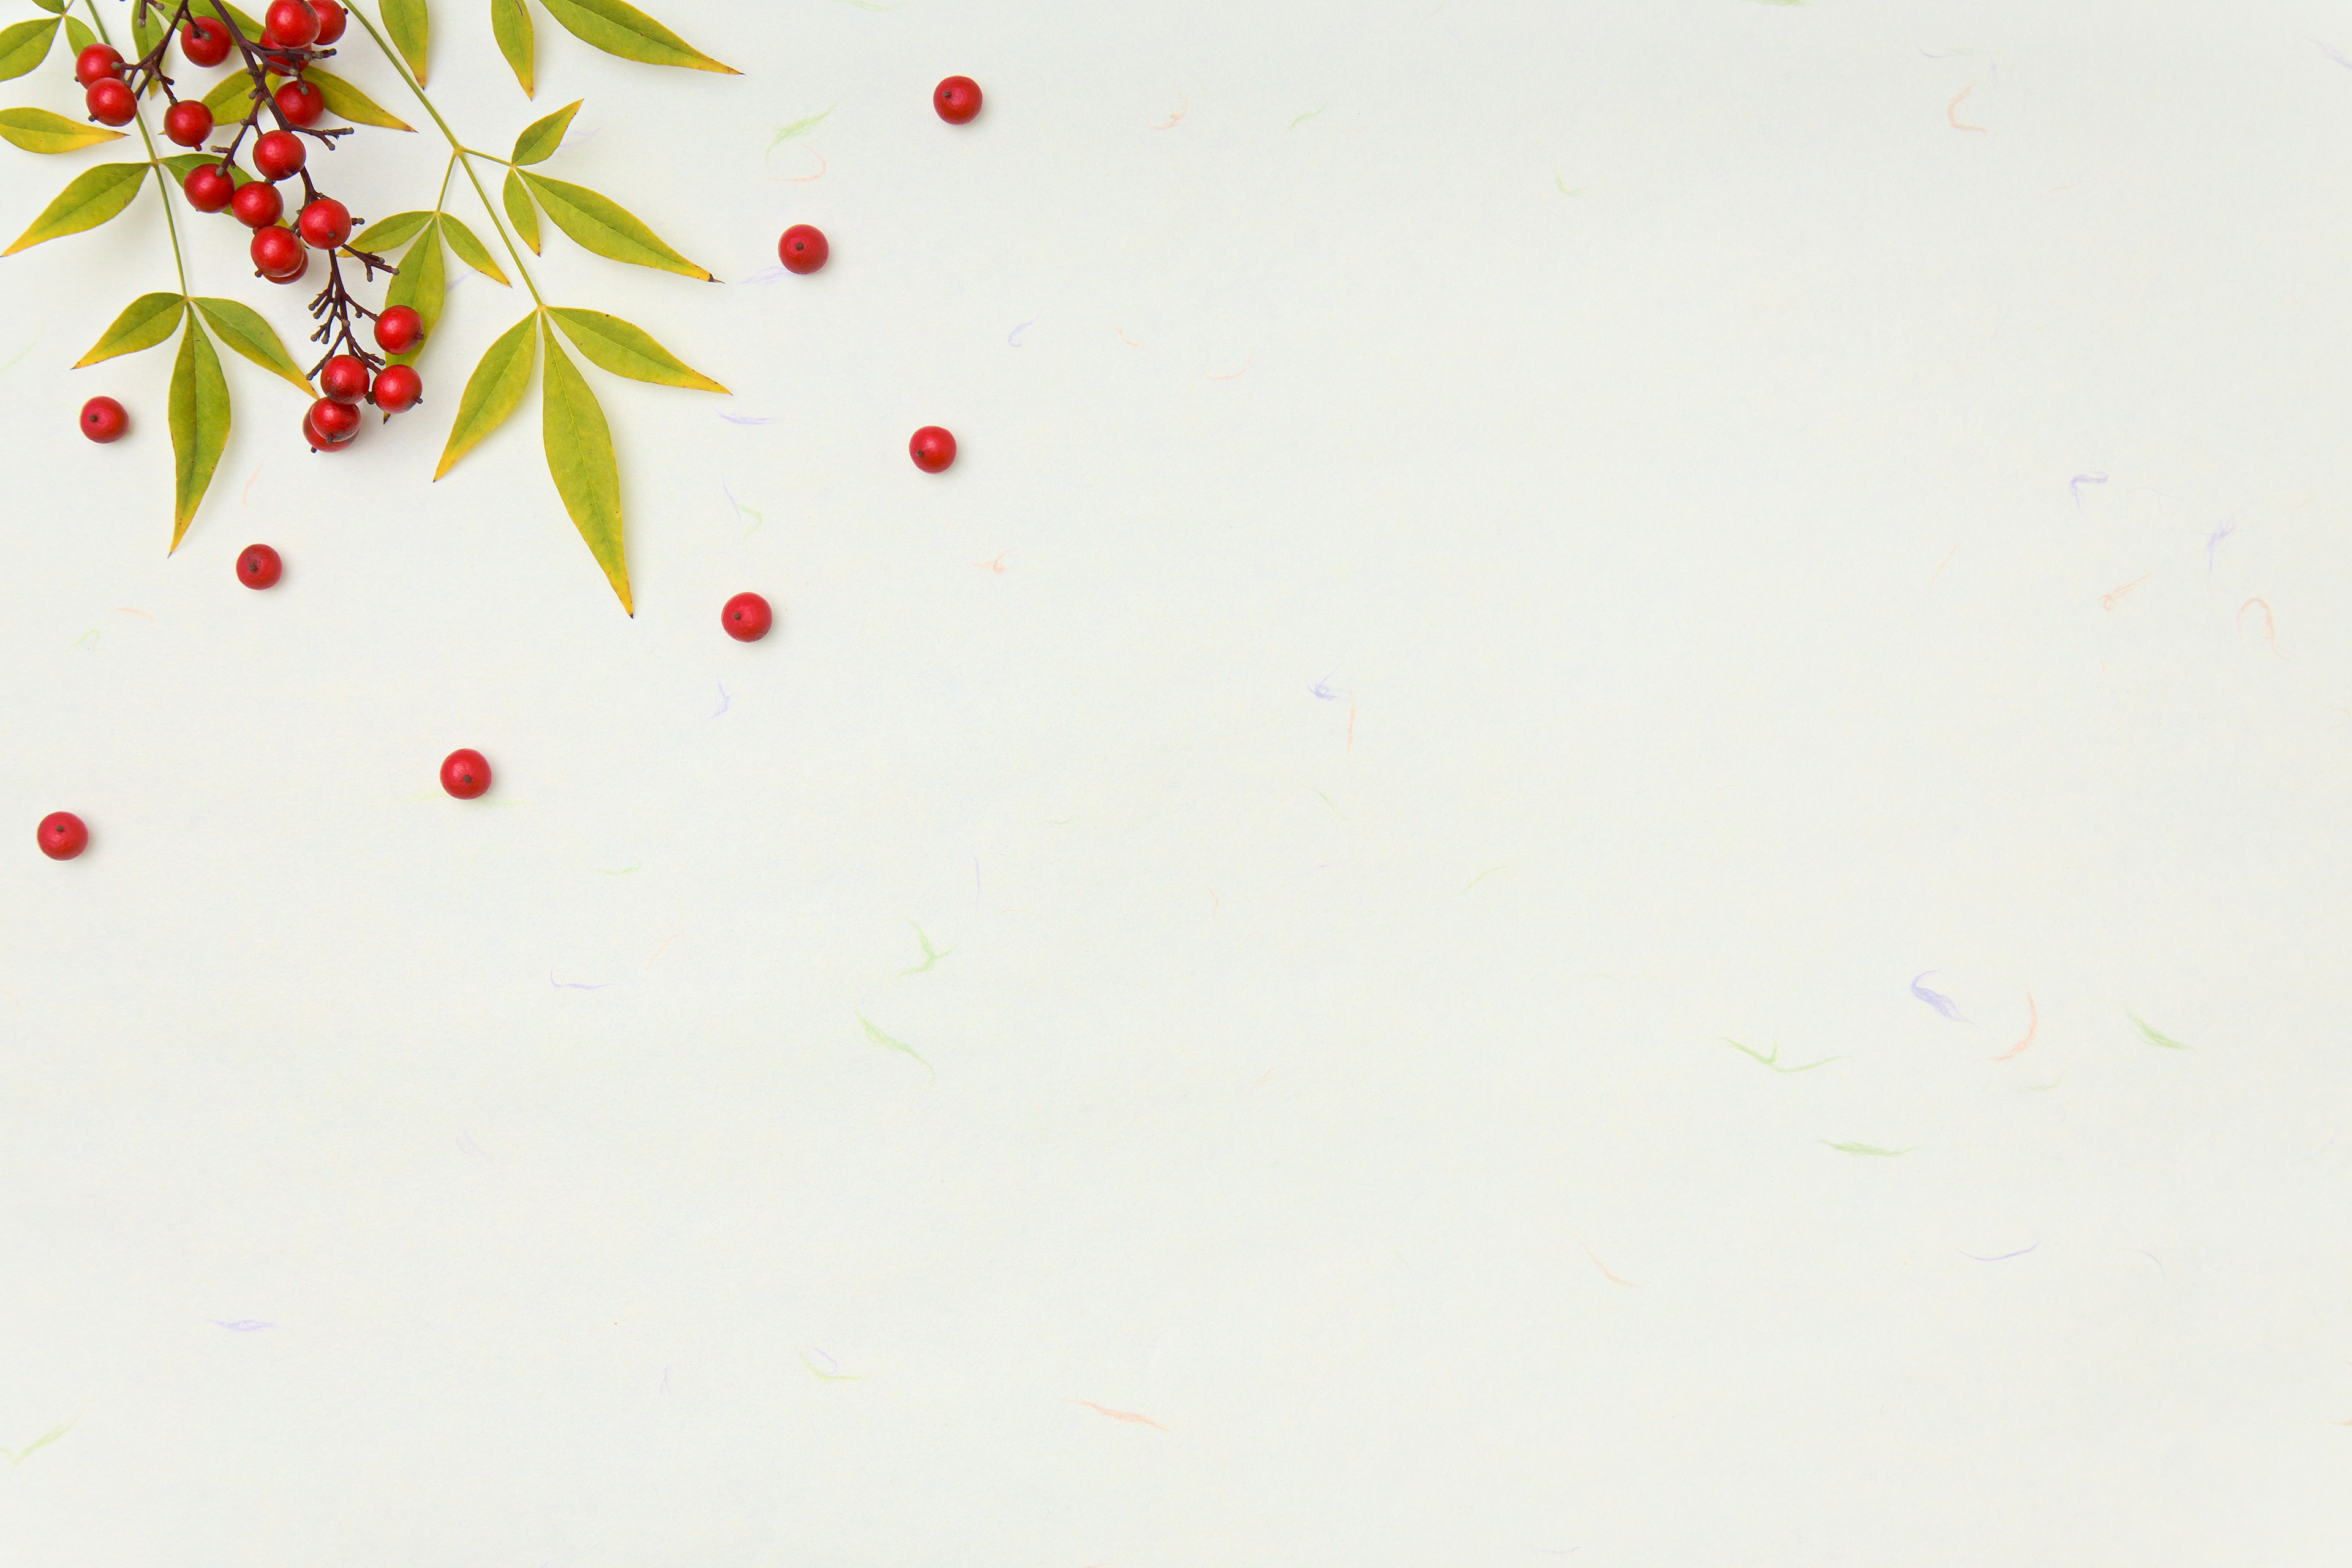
[292, 23]
[747, 617]
[399, 330]
[334, 423]
[957, 99]
[277, 154]
[344, 378]
[325, 224]
[256, 204]
[803, 248]
[188, 123]
[465, 774]
[97, 62]
[62, 836]
[209, 188]
[110, 101]
[204, 41]
[932, 449]
[300, 102]
[102, 420]
[397, 387]
[260, 567]
[330, 20]
[278, 255]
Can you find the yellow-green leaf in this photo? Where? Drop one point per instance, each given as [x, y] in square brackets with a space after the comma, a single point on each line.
[470, 250]
[24, 45]
[406, 22]
[39, 131]
[242, 329]
[51, 6]
[230, 97]
[604, 226]
[145, 322]
[146, 28]
[93, 196]
[541, 137]
[614, 344]
[247, 24]
[77, 37]
[619, 28]
[199, 417]
[343, 98]
[388, 234]
[520, 212]
[492, 392]
[580, 459]
[511, 25]
[422, 279]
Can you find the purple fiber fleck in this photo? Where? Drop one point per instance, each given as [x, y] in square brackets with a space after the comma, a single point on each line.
[1322, 688]
[2075, 485]
[2213, 540]
[2332, 55]
[725, 701]
[242, 1326]
[2000, 1258]
[575, 986]
[1936, 999]
[746, 419]
[772, 274]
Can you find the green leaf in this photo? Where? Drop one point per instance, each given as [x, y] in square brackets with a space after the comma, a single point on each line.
[614, 344]
[182, 164]
[580, 459]
[242, 329]
[343, 98]
[619, 28]
[520, 212]
[251, 28]
[406, 22]
[388, 234]
[199, 425]
[423, 281]
[93, 196]
[52, 6]
[146, 28]
[24, 45]
[39, 131]
[541, 137]
[604, 226]
[492, 392]
[229, 97]
[511, 25]
[145, 322]
[77, 37]
[470, 250]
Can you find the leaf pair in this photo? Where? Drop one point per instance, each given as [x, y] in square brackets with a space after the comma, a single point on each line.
[596, 221]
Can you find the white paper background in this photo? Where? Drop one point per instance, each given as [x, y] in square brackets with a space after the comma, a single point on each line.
[1714, 644]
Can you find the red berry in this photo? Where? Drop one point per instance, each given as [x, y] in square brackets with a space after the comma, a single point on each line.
[335, 422]
[803, 248]
[103, 420]
[204, 41]
[319, 443]
[260, 567]
[188, 123]
[397, 387]
[95, 62]
[325, 224]
[257, 203]
[344, 378]
[300, 102]
[109, 102]
[932, 449]
[957, 99]
[278, 255]
[398, 329]
[277, 154]
[330, 20]
[210, 187]
[62, 836]
[747, 617]
[291, 25]
[465, 774]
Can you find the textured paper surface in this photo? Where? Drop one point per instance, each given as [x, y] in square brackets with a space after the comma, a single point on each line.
[1498, 548]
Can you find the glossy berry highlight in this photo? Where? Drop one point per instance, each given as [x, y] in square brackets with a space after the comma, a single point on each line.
[325, 224]
[109, 102]
[465, 774]
[344, 378]
[957, 99]
[96, 63]
[803, 248]
[292, 23]
[256, 204]
[278, 255]
[333, 422]
[331, 21]
[204, 41]
[932, 449]
[277, 154]
[209, 188]
[399, 330]
[300, 102]
[398, 387]
[259, 566]
[747, 617]
[188, 123]
[103, 420]
[61, 835]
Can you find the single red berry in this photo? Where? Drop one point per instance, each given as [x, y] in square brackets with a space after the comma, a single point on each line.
[398, 329]
[344, 378]
[260, 567]
[62, 836]
[957, 99]
[337, 421]
[319, 443]
[292, 23]
[98, 61]
[204, 41]
[188, 123]
[747, 617]
[397, 387]
[102, 420]
[330, 20]
[278, 255]
[932, 449]
[300, 102]
[209, 188]
[325, 224]
[465, 774]
[109, 102]
[277, 154]
[256, 204]
[803, 248]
